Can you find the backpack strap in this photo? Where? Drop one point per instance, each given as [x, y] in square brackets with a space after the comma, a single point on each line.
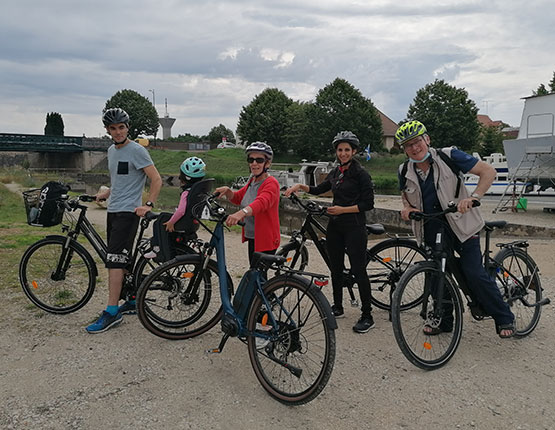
[454, 168]
[403, 180]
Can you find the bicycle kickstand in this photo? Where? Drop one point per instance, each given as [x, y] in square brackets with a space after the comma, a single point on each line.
[220, 347]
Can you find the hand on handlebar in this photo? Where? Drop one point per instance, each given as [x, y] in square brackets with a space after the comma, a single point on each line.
[292, 190]
[406, 213]
[466, 204]
[234, 218]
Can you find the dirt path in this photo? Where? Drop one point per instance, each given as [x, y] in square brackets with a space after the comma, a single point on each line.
[53, 375]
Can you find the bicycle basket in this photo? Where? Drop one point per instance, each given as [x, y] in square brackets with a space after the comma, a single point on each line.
[42, 205]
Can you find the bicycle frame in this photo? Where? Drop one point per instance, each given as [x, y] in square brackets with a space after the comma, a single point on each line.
[232, 323]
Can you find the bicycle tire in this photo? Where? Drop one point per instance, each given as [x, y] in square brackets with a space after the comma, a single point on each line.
[516, 263]
[425, 351]
[294, 259]
[145, 266]
[58, 296]
[167, 309]
[385, 264]
[310, 348]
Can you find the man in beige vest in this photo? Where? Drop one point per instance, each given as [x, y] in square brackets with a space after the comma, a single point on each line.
[428, 184]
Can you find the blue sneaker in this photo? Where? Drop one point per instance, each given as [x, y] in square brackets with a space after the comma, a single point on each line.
[128, 308]
[104, 322]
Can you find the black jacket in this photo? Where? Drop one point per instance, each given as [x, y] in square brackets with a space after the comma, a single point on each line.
[353, 187]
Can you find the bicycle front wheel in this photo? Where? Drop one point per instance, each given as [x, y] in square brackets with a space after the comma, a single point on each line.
[296, 254]
[55, 281]
[295, 358]
[519, 281]
[385, 264]
[181, 299]
[427, 334]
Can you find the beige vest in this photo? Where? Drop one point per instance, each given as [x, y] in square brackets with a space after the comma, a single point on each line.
[463, 225]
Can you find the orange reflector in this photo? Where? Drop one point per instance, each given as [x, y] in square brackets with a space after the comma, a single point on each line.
[321, 283]
[187, 275]
[427, 345]
[505, 274]
[34, 284]
[265, 319]
[289, 259]
[386, 259]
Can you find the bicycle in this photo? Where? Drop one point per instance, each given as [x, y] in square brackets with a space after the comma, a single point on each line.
[58, 274]
[286, 321]
[438, 284]
[386, 261]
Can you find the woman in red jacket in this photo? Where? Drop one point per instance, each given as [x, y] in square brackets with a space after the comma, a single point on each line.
[259, 201]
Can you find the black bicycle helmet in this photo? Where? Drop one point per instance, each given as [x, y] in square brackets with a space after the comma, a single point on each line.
[115, 116]
[347, 137]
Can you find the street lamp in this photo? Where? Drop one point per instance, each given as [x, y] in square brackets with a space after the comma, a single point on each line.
[154, 104]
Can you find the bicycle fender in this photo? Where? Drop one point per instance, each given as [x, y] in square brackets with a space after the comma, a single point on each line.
[310, 285]
[77, 245]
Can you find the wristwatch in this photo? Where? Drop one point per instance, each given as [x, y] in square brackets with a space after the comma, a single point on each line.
[245, 210]
[476, 196]
[149, 203]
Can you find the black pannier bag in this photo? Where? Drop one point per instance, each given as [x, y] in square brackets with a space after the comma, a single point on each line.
[42, 206]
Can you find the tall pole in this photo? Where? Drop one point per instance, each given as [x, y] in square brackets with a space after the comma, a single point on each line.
[154, 104]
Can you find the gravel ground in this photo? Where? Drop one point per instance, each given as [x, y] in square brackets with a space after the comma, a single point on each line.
[56, 376]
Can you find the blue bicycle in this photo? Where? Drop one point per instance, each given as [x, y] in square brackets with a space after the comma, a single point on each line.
[286, 321]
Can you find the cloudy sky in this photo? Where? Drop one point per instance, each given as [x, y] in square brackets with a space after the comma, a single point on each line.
[210, 58]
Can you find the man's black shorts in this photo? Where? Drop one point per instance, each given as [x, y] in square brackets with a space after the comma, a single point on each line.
[121, 230]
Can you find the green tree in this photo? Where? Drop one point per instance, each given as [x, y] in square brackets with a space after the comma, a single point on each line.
[340, 106]
[54, 124]
[218, 132]
[552, 84]
[187, 137]
[492, 141]
[143, 118]
[301, 129]
[265, 119]
[541, 91]
[448, 114]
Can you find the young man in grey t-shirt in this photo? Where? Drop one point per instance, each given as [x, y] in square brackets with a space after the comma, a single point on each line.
[129, 165]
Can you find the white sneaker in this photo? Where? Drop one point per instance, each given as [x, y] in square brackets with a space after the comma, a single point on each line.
[151, 254]
[260, 342]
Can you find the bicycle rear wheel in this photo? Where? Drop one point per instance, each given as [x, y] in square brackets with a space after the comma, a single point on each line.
[295, 360]
[519, 282]
[385, 264]
[57, 286]
[180, 299]
[422, 349]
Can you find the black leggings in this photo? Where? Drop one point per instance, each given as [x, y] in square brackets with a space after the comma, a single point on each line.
[352, 239]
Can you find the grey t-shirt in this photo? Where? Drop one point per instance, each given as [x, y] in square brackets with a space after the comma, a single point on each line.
[248, 198]
[127, 177]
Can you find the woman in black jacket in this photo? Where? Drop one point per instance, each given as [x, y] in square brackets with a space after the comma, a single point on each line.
[353, 195]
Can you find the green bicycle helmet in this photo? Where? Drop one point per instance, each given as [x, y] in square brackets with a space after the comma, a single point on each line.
[409, 131]
[193, 167]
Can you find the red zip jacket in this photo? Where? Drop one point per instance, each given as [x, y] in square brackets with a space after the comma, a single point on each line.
[265, 209]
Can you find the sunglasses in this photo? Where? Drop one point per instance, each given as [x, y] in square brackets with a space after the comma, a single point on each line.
[259, 160]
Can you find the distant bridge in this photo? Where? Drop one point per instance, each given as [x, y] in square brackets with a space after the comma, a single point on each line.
[41, 143]
[52, 152]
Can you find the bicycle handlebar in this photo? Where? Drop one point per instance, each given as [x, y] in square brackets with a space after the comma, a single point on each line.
[311, 207]
[451, 208]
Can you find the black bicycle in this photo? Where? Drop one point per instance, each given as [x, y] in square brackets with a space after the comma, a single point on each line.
[286, 321]
[385, 262]
[423, 329]
[58, 274]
